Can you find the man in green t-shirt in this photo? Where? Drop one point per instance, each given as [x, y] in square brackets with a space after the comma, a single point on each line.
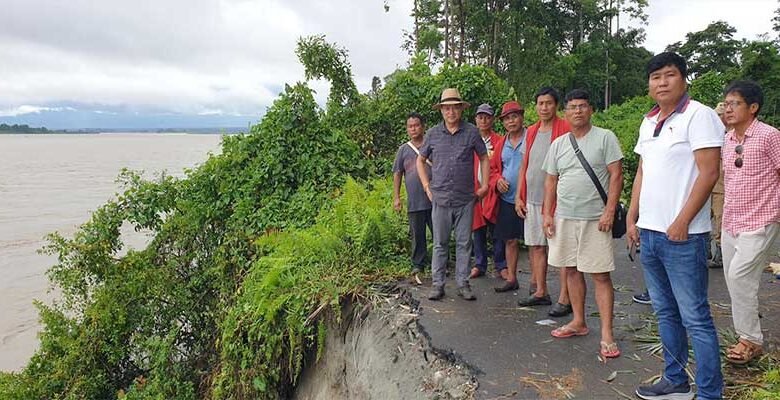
[577, 223]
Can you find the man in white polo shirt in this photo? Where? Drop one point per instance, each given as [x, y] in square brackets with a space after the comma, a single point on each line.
[679, 148]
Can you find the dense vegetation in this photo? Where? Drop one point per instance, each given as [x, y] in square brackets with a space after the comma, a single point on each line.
[17, 128]
[254, 248]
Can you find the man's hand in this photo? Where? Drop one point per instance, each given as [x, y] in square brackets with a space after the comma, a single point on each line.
[678, 231]
[605, 222]
[397, 204]
[482, 191]
[428, 192]
[520, 208]
[632, 234]
[548, 226]
[502, 185]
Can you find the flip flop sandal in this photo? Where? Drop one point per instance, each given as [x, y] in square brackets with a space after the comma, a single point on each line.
[567, 332]
[609, 350]
[743, 352]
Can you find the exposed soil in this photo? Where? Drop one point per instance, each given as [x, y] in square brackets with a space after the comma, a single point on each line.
[380, 351]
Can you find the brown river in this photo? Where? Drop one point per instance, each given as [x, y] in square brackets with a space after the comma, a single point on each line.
[52, 183]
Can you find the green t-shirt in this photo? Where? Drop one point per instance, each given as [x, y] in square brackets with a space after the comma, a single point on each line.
[577, 195]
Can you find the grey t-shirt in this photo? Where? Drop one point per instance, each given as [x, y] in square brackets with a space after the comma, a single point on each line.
[577, 195]
[535, 175]
[406, 164]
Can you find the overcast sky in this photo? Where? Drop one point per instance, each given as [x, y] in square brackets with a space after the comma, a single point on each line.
[143, 63]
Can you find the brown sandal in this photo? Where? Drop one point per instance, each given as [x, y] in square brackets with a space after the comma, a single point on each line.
[743, 352]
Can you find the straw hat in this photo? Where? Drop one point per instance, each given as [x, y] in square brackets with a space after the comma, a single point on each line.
[450, 96]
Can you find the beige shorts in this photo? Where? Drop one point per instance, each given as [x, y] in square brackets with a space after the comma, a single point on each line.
[534, 235]
[581, 244]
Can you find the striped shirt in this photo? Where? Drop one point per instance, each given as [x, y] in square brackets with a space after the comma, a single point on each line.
[752, 198]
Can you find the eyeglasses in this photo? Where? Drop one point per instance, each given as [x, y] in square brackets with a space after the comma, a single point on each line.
[738, 162]
[732, 104]
[577, 107]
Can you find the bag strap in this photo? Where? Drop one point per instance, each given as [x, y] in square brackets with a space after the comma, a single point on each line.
[410, 144]
[587, 167]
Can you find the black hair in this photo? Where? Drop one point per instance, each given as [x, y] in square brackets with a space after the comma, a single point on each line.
[416, 115]
[749, 90]
[548, 90]
[577, 94]
[666, 59]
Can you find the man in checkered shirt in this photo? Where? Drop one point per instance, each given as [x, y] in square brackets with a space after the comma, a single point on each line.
[751, 212]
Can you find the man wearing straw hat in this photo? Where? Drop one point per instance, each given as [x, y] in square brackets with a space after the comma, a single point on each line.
[451, 146]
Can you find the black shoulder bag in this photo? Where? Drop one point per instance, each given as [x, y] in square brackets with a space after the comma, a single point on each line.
[619, 222]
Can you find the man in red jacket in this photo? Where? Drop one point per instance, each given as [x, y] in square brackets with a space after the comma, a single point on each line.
[484, 215]
[529, 196]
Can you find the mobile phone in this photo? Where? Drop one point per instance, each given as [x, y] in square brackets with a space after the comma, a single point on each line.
[632, 251]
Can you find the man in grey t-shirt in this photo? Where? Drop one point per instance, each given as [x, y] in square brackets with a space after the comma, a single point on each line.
[418, 205]
[579, 228]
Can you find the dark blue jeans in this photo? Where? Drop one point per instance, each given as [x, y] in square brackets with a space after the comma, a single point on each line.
[481, 251]
[676, 276]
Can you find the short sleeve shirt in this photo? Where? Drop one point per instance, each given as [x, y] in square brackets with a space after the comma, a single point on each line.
[535, 175]
[752, 199]
[511, 161]
[578, 197]
[669, 167]
[452, 154]
[406, 164]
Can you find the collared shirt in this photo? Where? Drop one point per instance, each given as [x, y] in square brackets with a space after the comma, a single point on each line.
[752, 198]
[511, 160]
[452, 183]
[668, 164]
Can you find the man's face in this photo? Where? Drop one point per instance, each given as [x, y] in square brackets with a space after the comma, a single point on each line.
[484, 121]
[513, 123]
[414, 128]
[578, 112]
[545, 107]
[666, 85]
[737, 110]
[452, 113]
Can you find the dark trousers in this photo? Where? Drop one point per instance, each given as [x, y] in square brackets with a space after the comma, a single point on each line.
[418, 221]
[481, 249]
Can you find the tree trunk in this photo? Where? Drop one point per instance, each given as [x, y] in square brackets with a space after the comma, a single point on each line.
[462, 31]
[446, 29]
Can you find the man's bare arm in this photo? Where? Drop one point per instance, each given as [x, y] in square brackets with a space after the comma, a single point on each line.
[615, 170]
[632, 233]
[397, 191]
[423, 174]
[708, 163]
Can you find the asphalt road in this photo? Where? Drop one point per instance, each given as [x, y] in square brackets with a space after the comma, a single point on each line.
[517, 358]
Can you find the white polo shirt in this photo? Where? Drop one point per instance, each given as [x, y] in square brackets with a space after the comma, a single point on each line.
[668, 165]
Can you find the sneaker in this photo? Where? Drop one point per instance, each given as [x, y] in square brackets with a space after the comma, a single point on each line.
[436, 293]
[642, 298]
[663, 390]
[465, 292]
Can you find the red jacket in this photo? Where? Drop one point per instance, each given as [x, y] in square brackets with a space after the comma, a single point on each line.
[559, 128]
[485, 210]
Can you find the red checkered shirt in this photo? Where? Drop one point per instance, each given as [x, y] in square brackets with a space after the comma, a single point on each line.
[752, 197]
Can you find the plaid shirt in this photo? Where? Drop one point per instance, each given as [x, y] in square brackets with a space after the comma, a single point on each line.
[752, 198]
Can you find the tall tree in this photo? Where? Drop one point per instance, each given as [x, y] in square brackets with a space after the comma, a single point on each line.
[711, 49]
